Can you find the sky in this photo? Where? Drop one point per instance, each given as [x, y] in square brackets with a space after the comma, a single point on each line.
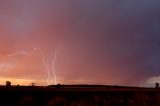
[108, 42]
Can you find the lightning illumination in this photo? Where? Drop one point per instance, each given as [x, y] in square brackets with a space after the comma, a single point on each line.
[43, 59]
[21, 53]
[44, 63]
[47, 68]
[53, 68]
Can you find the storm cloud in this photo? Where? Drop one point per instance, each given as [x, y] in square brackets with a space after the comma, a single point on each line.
[97, 42]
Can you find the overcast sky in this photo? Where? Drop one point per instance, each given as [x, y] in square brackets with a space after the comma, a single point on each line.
[95, 41]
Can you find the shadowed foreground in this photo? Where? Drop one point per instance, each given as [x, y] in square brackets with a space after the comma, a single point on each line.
[79, 96]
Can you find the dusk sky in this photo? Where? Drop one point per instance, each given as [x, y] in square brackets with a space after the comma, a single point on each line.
[113, 42]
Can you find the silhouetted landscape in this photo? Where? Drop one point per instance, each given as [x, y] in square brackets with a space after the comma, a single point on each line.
[79, 95]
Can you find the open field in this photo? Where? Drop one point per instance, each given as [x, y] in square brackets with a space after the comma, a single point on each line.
[79, 95]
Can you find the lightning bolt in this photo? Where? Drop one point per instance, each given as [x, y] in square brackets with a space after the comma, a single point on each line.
[21, 53]
[47, 67]
[53, 68]
[44, 63]
[39, 51]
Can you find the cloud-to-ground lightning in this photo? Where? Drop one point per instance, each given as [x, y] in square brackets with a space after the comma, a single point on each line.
[53, 67]
[39, 51]
[44, 63]
[47, 68]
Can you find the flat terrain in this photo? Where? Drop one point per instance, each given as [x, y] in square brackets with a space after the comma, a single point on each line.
[79, 95]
